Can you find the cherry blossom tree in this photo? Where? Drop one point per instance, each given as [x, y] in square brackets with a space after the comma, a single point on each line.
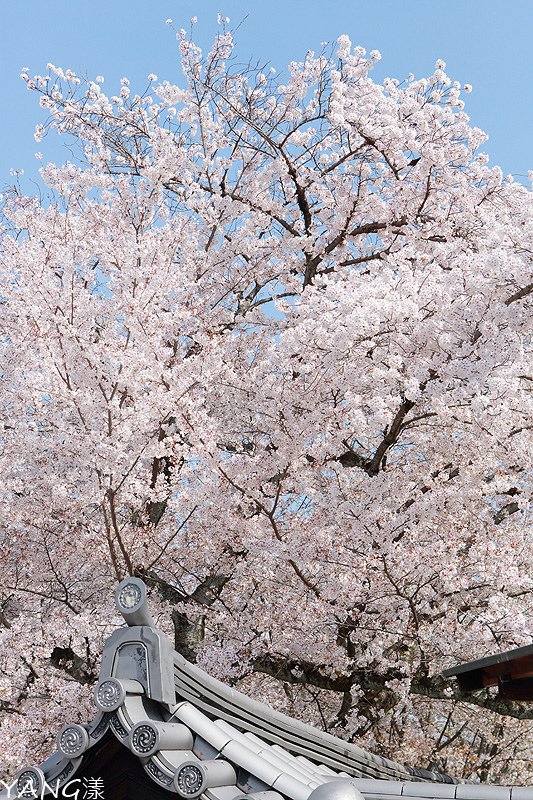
[264, 345]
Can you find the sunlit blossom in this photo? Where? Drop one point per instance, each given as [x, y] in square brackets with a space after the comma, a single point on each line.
[268, 345]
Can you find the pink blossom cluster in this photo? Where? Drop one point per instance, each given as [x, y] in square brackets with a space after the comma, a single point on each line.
[268, 346]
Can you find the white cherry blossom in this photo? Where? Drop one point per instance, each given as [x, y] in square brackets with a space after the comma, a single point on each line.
[268, 347]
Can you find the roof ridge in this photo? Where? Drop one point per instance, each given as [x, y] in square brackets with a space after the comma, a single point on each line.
[196, 736]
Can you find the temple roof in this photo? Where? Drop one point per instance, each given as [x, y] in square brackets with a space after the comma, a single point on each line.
[511, 672]
[195, 736]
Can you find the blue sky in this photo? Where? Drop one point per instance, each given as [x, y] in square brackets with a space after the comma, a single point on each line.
[484, 42]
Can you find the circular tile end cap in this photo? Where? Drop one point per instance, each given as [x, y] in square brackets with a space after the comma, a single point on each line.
[72, 741]
[109, 694]
[144, 739]
[130, 595]
[189, 780]
[30, 782]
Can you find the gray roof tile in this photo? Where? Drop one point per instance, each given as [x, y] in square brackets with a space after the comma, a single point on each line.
[230, 747]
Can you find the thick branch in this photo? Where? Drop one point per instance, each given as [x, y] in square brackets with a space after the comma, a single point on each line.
[524, 292]
[188, 632]
[373, 465]
[79, 668]
[301, 672]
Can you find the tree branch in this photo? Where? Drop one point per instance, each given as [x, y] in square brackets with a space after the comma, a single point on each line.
[302, 672]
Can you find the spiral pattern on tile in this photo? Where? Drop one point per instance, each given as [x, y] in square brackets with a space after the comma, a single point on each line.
[73, 740]
[144, 739]
[109, 695]
[189, 780]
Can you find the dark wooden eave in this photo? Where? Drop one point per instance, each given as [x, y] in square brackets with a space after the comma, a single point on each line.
[512, 672]
[121, 772]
